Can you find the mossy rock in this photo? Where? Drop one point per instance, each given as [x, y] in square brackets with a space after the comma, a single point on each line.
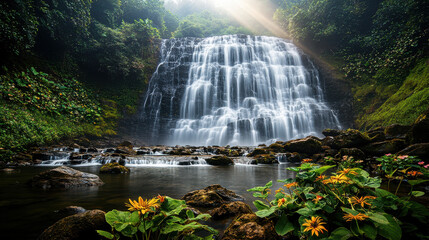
[220, 161]
[250, 226]
[266, 159]
[277, 147]
[114, 168]
[381, 148]
[331, 132]
[396, 131]
[230, 209]
[211, 196]
[309, 145]
[420, 129]
[351, 138]
[356, 153]
[258, 151]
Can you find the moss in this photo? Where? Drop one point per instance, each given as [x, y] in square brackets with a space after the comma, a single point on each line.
[406, 104]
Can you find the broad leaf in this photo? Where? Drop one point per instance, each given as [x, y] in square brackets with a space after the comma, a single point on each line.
[260, 205]
[369, 230]
[417, 193]
[323, 169]
[284, 226]
[415, 182]
[378, 218]
[392, 230]
[105, 234]
[266, 212]
[341, 233]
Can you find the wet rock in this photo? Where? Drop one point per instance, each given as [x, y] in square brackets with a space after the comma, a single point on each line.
[420, 150]
[230, 210]
[377, 134]
[419, 132]
[211, 196]
[70, 210]
[114, 168]
[381, 148]
[331, 132]
[251, 227]
[356, 153]
[348, 139]
[293, 157]
[84, 142]
[277, 147]
[180, 151]
[42, 155]
[77, 156]
[220, 161]
[259, 151]
[309, 145]
[266, 159]
[396, 131]
[22, 157]
[9, 170]
[65, 177]
[81, 226]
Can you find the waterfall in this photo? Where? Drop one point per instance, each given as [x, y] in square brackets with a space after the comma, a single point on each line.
[234, 90]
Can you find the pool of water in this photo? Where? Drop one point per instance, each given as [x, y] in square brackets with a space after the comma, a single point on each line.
[26, 211]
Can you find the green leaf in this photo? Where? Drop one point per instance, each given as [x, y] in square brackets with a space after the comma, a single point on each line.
[305, 212]
[105, 234]
[190, 214]
[351, 211]
[383, 193]
[369, 230]
[341, 233]
[266, 212]
[323, 169]
[260, 205]
[417, 193]
[392, 230]
[378, 218]
[34, 71]
[415, 182]
[284, 226]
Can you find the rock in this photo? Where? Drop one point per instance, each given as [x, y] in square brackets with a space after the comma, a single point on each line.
[419, 132]
[180, 151]
[81, 226]
[258, 151]
[309, 145]
[377, 134]
[211, 196]
[70, 210]
[220, 161]
[277, 147]
[420, 150]
[348, 139]
[114, 168]
[251, 227]
[396, 131]
[293, 157]
[229, 210]
[65, 177]
[126, 144]
[22, 157]
[381, 148]
[356, 153]
[266, 159]
[8, 170]
[331, 132]
[84, 142]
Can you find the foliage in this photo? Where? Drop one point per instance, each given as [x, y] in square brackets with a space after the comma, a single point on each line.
[157, 218]
[347, 204]
[207, 24]
[19, 27]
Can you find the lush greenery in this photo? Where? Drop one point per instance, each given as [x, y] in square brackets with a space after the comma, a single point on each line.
[376, 43]
[347, 204]
[157, 218]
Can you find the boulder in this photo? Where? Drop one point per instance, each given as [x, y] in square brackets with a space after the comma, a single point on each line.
[356, 153]
[211, 196]
[309, 145]
[266, 159]
[81, 226]
[396, 131]
[230, 210]
[220, 161]
[381, 148]
[84, 142]
[420, 129]
[258, 151]
[376, 134]
[293, 157]
[250, 227]
[420, 150]
[70, 210]
[277, 147]
[348, 139]
[114, 168]
[65, 177]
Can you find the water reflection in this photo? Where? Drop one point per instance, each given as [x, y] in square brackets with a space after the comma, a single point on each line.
[34, 208]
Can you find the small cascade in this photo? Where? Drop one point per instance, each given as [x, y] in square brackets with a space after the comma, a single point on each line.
[234, 90]
[282, 158]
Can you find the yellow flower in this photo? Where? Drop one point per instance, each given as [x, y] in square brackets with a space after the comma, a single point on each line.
[347, 171]
[142, 206]
[315, 225]
[361, 201]
[337, 179]
[280, 190]
[289, 185]
[350, 217]
[281, 202]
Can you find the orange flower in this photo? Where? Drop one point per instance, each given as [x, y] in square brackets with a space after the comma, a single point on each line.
[281, 202]
[414, 173]
[361, 201]
[317, 199]
[289, 185]
[142, 206]
[347, 171]
[315, 225]
[320, 178]
[350, 217]
[280, 190]
[306, 160]
[161, 198]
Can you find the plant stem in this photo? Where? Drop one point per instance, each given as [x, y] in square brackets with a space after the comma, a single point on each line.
[396, 192]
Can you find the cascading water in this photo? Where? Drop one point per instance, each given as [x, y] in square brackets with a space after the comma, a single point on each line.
[234, 90]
